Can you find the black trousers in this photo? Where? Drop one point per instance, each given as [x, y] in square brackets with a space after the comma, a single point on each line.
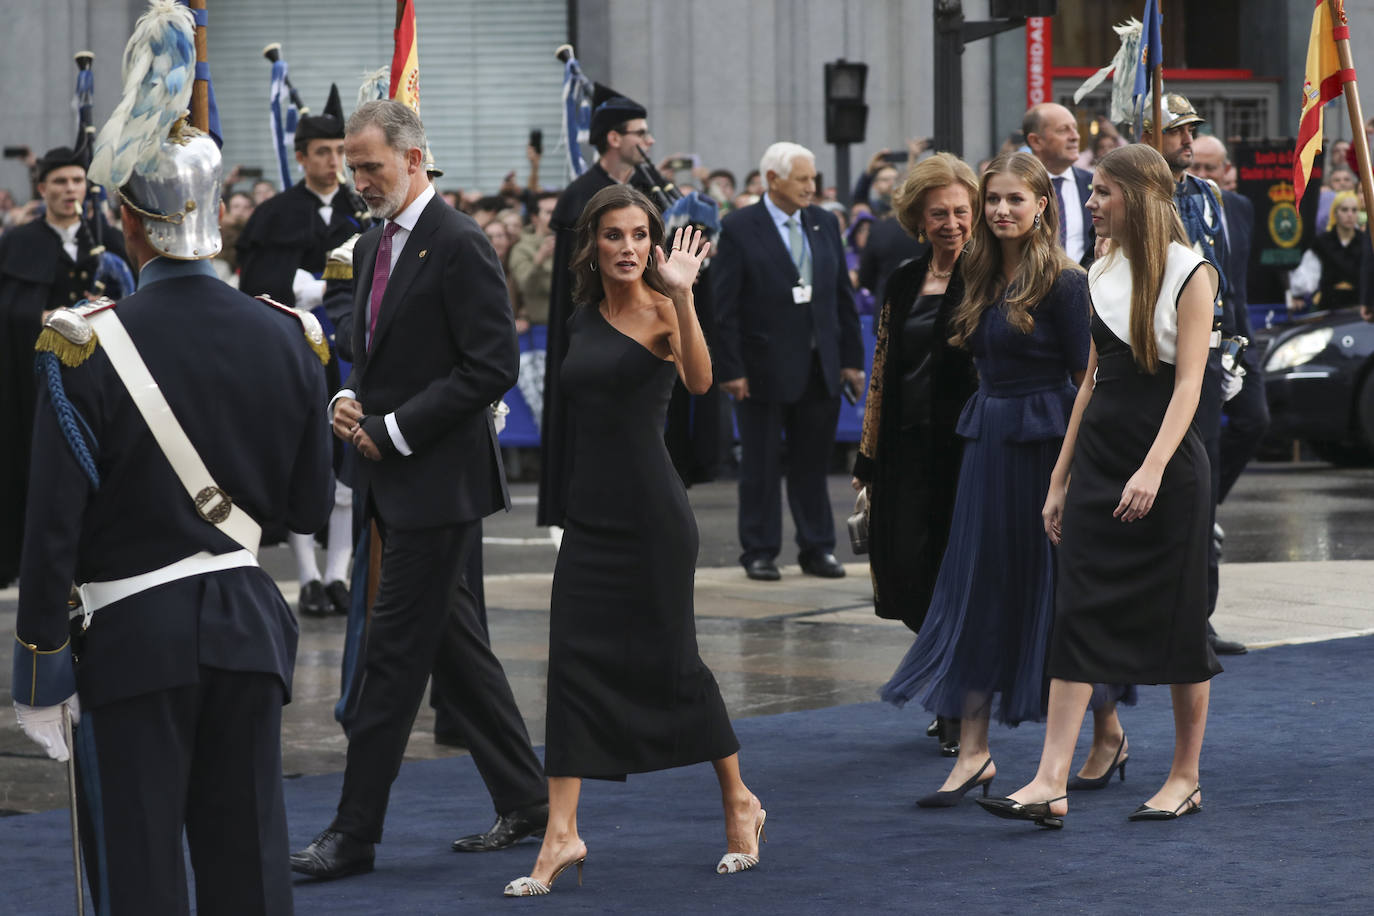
[423, 610]
[207, 757]
[1247, 418]
[809, 427]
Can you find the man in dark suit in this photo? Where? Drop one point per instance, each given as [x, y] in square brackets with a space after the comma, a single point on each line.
[1247, 411]
[434, 346]
[186, 653]
[789, 339]
[1052, 134]
[282, 253]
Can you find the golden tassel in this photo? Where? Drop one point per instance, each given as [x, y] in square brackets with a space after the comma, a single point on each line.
[338, 270]
[69, 354]
[321, 349]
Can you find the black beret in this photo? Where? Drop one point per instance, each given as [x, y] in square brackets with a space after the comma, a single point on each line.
[58, 157]
[317, 127]
[612, 113]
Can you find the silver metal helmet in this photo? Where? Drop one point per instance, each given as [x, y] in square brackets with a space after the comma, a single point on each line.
[179, 198]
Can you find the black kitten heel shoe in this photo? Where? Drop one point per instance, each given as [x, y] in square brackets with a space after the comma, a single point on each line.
[1079, 783]
[1187, 806]
[950, 797]
[1037, 813]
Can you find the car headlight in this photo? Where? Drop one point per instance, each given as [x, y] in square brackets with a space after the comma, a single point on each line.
[1297, 350]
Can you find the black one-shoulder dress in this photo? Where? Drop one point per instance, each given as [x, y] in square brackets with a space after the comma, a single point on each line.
[627, 690]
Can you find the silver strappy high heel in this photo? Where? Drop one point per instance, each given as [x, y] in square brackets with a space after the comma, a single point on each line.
[733, 862]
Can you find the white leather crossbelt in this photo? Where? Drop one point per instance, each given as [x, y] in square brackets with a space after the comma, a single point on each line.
[96, 595]
[212, 503]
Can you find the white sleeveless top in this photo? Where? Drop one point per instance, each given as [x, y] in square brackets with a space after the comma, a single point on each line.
[1109, 284]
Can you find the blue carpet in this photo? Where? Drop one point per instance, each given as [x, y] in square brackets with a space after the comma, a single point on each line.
[1286, 825]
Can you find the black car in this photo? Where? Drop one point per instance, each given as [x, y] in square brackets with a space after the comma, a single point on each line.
[1317, 375]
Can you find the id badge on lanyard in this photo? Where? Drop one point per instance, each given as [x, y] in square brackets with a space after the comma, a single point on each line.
[801, 293]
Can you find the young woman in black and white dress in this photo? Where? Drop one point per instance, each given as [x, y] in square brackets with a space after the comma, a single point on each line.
[1128, 497]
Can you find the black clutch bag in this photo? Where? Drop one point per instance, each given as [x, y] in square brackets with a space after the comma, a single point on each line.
[858, 524]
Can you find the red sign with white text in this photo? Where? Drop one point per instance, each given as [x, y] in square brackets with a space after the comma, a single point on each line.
[1039, 60]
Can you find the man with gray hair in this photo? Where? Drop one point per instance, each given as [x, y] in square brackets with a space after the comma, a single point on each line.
[433, 346]
[788, 343]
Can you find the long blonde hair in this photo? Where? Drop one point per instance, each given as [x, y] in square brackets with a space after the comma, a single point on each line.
[1042, 259]
[1150, 223]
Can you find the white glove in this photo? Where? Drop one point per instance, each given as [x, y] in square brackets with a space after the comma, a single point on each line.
[309, 291]
[43, 724]
[1232, 382]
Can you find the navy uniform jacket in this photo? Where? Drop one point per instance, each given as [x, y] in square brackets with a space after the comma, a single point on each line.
[443, 352]
[36, 274]
[285, 233]
[249, 392]
[764, 335]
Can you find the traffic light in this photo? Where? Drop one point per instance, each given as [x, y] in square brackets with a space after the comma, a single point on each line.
[846, 115]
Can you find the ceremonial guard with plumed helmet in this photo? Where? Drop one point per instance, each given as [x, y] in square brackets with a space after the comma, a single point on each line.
[169, 431]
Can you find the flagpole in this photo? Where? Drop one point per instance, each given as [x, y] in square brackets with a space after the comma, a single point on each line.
[1157, 135]
[1341, 33]
[200, 97]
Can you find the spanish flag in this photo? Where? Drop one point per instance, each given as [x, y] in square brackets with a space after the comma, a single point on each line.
[405, 60]
[1324, 81]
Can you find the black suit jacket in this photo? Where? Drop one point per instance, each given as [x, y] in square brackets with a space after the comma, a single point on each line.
[443, 352]
[285, 233]
[764, 335]
[1084, 179]
[1239, 214]
[242, 381]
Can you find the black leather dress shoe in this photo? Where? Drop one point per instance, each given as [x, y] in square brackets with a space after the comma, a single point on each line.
[314, 602]
[339, 599]
[334, 855]
[1226, 646]
[762, 569]
[508, 830]
[821, 564]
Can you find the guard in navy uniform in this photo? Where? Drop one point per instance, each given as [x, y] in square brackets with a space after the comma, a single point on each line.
[169, 430]
[46, 264]
[283, 253]
[1200, 209]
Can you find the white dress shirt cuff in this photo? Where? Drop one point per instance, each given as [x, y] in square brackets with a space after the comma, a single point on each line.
[344, 393]
[394, 430]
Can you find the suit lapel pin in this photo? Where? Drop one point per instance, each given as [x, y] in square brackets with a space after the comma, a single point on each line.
[423, 252]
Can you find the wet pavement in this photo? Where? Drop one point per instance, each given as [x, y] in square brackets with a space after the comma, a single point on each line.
[1299, 566]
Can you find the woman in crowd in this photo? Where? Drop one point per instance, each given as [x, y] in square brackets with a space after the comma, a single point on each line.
[1127, 501]
[627, 690]
[1024, 316]
[909, 453]
[1331, 267]
[502, 241]
[855, 240]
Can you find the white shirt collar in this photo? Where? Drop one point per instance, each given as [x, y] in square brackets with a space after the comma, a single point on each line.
[324, 201]
[1067, 174]
[408, 217]
[779, 217]
[67, 235]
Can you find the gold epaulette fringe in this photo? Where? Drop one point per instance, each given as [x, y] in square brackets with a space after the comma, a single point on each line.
[319, 348]
[338, 270]
[70, 354]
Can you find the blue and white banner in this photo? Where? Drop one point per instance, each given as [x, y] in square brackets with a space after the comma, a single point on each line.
[283, 117]
[577, 114]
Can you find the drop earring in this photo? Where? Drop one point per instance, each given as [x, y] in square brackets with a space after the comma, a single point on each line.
[592, 265]
[1036, 223]
[649, 262]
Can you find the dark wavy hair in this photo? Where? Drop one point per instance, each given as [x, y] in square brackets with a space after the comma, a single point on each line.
[587, 288]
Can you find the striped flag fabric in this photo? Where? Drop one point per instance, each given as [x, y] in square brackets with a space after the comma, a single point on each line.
[282, 116]
[405, 60]
[1151, 55]
[577, 114]
[1324, 81]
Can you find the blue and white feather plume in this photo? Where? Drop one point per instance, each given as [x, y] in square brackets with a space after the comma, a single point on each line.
[159, 69]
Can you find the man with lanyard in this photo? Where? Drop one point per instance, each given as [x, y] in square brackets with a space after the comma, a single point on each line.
[45, 264]
[620, 134]
[1199, 207]
[157, 461]
[282, 254]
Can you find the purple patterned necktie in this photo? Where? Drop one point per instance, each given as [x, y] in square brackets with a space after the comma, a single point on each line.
[1063, 218]
[381, 272]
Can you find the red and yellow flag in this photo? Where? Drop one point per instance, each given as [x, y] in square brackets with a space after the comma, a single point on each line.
[1324, 81]
[405, 60]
